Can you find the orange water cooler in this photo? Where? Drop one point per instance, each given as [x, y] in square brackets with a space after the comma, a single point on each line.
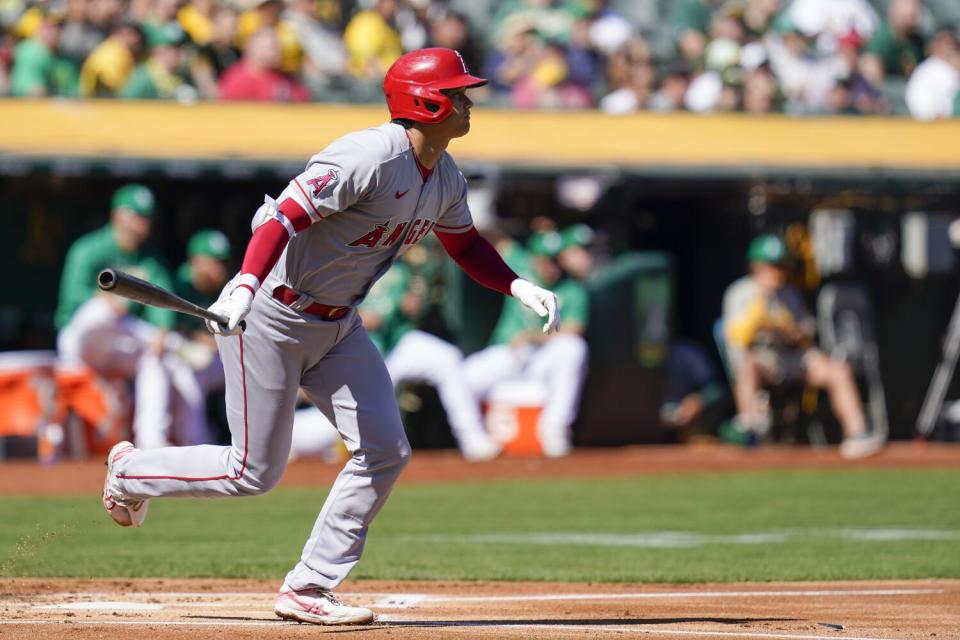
[513, 409]
[27, 401]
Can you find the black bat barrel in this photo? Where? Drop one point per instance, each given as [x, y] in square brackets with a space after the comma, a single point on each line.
[133, 288]
[107, 279]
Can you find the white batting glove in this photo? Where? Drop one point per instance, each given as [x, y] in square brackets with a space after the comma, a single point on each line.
[541, 301]
[234, 307]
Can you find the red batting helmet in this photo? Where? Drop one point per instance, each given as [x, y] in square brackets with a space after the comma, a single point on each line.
[414, 82]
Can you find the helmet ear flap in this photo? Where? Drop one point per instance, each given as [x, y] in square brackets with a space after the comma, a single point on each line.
[421, 104]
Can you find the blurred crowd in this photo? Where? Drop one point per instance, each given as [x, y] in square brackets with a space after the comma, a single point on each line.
[755, 56]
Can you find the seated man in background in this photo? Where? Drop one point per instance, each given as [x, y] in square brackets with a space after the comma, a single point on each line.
[519, 350]
[770, 341]
[109, 334]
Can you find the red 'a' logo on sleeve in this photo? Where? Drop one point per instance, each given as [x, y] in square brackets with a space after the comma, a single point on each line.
[321, 183]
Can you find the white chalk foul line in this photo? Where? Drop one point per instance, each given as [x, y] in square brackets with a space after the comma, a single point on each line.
[453, 623]
[685, 594]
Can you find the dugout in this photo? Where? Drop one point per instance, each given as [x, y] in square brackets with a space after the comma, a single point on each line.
[695, 189]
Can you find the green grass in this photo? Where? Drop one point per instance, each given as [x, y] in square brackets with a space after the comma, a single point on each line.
[430, 531]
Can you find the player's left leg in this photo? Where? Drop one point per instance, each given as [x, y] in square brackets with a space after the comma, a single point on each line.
[562, 363]
[352, 387]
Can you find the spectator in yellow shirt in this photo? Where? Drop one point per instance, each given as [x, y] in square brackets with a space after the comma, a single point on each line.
[373, 42]
[109, 66]
[770, 341]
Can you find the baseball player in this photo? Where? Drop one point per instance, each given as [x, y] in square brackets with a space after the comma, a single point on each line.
[315, 252]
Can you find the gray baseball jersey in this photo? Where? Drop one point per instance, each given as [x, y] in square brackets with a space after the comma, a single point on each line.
[369, 204]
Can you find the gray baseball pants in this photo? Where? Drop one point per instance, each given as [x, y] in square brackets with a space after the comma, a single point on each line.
[342, 372]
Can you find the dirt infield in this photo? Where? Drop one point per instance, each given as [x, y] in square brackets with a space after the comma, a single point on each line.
[208, 609]
[204, 609]
[72, 477]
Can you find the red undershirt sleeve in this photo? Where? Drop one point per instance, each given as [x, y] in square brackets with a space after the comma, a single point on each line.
[264, 249]
[268, 242]
[478, 259]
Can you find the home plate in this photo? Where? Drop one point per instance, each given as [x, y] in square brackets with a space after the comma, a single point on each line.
[103, 606]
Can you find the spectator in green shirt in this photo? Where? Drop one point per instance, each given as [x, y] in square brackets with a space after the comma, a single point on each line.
[520, 351]
[897, 46]
[37, 69]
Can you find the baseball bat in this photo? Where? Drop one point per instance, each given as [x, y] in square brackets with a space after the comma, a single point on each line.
[133, 288]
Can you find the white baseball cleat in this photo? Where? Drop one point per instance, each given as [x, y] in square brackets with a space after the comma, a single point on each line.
[124, 511]
[318, 606]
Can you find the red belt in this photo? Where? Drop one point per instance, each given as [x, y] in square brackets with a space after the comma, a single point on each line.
[288, 296]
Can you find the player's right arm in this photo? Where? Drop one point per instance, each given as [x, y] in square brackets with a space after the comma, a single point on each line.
[264, 249]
